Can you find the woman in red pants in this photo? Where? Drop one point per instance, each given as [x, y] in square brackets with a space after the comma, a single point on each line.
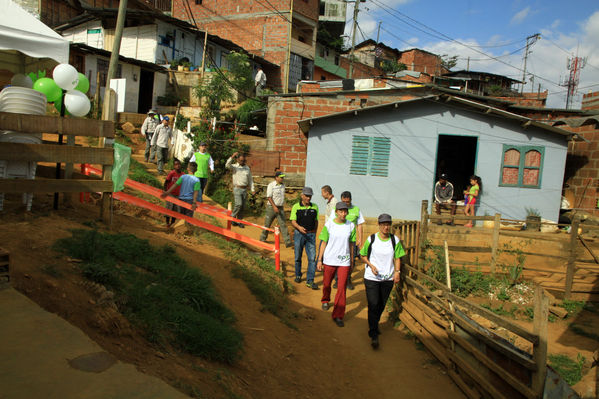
[335, 256]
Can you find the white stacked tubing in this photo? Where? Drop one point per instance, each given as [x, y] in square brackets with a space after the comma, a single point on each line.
[22, 101]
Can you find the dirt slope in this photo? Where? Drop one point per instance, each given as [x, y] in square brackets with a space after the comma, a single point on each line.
[319, 359]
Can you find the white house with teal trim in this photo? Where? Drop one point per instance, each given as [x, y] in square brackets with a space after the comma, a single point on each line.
[390, 156]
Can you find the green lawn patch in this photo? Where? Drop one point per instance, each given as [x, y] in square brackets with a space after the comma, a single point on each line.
[569, 369]
[138, 172]
[158, 292]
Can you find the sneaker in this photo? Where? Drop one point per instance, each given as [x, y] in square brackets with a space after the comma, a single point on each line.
[339, 322]
[350, 286]
[325, 306]
[298, 279]
[241, 225]
[289, 245]
[311, 284]
[374, 342]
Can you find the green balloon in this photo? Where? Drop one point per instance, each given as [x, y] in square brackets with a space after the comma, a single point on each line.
[49, 87]
[83, 85]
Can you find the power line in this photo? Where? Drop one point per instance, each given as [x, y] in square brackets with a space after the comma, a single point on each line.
[444, 37]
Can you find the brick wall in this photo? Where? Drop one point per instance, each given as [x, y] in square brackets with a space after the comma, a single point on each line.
[284, 135]
[538, 100]
[590, 101]
[421, 61]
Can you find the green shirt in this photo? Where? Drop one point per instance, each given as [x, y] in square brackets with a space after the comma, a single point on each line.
[203, 161]
[305, 216]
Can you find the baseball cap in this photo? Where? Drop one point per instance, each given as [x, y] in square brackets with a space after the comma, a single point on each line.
[443, 176]
[166, 118]
[151, 111]
[203, 143]
[308, 191]
[341, 205]
[281, 174]
[385, 218]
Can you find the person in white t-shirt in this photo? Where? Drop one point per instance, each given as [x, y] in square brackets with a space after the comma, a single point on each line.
[336, 255]
[381, 252]
[327, 194]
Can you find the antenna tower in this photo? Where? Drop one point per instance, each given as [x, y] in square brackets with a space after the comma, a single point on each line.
[575, 64]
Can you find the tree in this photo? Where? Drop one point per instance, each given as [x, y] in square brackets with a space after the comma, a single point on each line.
[389, 66]
[222, 85]
[449, 62]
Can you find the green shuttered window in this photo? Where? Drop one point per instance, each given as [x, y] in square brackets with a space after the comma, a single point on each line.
[370, 156]
[522, 166]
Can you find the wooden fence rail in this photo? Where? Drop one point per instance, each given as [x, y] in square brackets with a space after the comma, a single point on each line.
[69, 154]
[479, 361]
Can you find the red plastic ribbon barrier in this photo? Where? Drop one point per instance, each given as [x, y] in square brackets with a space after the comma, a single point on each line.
[130, 199]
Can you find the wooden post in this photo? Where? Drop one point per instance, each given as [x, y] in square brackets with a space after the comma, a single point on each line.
[495, 247]
[108, 113]
[423, 232]
[539, 350]
[204, 53]
[97, 97]
[449, 303]
[447, 267]
[571, 258]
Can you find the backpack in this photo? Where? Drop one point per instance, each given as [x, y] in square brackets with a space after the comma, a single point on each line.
[372, 241]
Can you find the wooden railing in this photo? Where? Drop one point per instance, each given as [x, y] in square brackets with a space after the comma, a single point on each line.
[408, 233]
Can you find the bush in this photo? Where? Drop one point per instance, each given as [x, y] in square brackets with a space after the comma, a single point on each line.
[158, 292]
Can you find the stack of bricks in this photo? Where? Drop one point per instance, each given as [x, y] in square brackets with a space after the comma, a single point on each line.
[4, 276]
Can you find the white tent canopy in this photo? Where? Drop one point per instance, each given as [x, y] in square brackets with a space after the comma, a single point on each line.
[24, 33]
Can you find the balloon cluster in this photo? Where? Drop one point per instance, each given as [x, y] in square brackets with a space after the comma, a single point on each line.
[76, 85]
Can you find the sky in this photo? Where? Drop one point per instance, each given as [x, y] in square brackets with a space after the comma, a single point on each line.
[493, 34]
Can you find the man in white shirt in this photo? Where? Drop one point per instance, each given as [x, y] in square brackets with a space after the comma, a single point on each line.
[327, 194]
[162, 135]
[275, 195]
[147, 130]
[260, 81]
[242, 180]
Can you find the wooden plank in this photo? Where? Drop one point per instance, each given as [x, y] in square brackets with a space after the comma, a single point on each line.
[26, 123]
[508, 325]
[425, 337]
[476, 376]
[517, 357]
[467, 389]
[586, 245]
[495, 243]
[428, 323]
[422, 275]
[414, 301]
[571, 259]
[410, 281]
[494, 367]
[54, 186]
[539, 350]
[55, 153]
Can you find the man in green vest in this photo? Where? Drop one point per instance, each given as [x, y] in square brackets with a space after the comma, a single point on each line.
[204, 161]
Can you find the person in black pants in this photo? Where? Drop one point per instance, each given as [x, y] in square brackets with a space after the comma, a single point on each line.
[381, 252]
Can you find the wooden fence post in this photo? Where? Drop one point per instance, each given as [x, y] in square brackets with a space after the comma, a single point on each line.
[423, 232]
[571, 258]
[539, 350]
[108, 113]
[495, 247]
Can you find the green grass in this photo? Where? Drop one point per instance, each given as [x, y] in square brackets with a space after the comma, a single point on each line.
[573, 307]
[258, 273]
[157, 291]
[569, 369]
[138, 172]
[122, 138]
[501, 311]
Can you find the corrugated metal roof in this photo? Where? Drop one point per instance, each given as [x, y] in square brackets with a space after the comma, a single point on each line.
[305, 124]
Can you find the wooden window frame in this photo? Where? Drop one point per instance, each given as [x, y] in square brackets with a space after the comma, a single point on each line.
[523, 149]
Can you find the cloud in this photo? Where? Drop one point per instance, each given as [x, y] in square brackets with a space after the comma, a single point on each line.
[520, 16]
[555, 24]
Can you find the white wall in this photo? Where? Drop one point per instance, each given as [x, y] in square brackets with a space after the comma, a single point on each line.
[83, 34]
[139, 42]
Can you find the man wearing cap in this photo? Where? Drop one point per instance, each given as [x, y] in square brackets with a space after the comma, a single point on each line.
[275, 195]
[381, 253]
[444, 197]
[304, 218]
[242, 180]
[204, 161]
[162, 135]
[147, 130]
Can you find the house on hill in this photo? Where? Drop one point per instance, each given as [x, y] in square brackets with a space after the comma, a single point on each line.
[389, 156]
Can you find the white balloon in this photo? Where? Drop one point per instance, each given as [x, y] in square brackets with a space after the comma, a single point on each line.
[21, 80]
[66, 76]
[77, 103]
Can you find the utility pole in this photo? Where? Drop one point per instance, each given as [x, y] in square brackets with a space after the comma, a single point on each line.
[378, 33]
[530, 40]
[468, 64]
[114, 55]
[353, 39]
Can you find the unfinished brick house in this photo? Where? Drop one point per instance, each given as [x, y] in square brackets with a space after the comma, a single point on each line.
[280, 31]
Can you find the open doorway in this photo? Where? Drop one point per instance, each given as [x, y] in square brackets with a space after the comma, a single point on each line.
[146, 90]
[456, 156]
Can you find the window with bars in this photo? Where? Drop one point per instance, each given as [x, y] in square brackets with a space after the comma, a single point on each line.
[522, 166]
[370, 156]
